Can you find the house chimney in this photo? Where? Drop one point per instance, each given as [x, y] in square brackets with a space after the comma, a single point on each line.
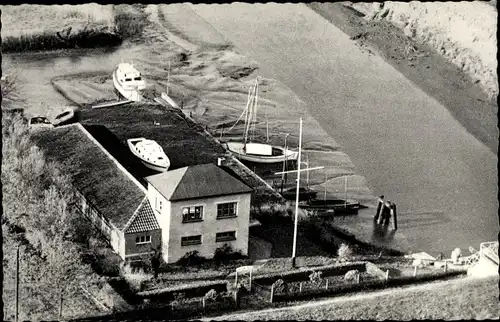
[219, 161]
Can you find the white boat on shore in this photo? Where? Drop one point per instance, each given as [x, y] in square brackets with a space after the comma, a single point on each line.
[253, 151]
[150, 153]
[260, 153]
[128, 82]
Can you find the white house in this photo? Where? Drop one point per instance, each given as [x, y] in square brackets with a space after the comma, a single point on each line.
[198, 207]
[201, 208]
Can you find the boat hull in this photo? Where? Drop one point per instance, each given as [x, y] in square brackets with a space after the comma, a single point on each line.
[131, 95]
[339, 206]
[150, 165]
[237, 149]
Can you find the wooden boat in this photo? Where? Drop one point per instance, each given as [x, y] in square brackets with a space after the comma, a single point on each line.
[253, 151]
[304, 194]
[150, 153]
[64, 117]
[128, 82]
[339, 205]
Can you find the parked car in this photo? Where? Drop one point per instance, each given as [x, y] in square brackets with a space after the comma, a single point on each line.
[39, 122]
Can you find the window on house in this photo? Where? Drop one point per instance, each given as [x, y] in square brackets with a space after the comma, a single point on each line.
[144, 239]
[190, 214]
[191, 240]
[225, 236]
[226, 210]
[158, 205]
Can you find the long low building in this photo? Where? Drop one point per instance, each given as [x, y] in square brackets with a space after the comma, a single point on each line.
[194, 208]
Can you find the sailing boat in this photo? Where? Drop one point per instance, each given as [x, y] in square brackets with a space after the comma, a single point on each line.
[252, 151]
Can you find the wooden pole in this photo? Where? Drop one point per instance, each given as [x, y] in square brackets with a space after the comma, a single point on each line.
[236, 279]
[415, 271]
[250, 287]
[297, 198]
[380, 206]
[284, 164]
[17, 285]
[61, 303]
[307, 173]
[387, 275]
[395, 217]
[326, 286]
[272, 293]
[300, 287]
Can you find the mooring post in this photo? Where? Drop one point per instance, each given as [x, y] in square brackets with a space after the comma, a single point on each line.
[383, 214]
[379, 207]
[236, 279]
[394, 217]
[387, 216]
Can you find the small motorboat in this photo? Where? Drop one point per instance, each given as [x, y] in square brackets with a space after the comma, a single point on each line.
[304, 194]
[150, 153]
[261, 153]
[128, 82]
[64, 117]
[39, 122]
[338, 205]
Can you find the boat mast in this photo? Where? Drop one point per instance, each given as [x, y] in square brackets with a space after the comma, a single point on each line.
[255, 99]
[248, 115]
[326, 179]
[345, 189]
[168, 76]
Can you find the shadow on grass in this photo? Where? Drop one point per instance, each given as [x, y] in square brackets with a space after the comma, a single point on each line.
[279, 232]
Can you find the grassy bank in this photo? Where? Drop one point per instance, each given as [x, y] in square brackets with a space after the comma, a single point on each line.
[40, 28]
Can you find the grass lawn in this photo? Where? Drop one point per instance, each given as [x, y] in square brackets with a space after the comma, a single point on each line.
[454, 299]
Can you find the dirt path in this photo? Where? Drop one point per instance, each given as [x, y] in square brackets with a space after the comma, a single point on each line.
[249, 316]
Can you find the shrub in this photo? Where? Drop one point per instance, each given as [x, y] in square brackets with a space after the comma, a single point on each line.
[191, 258]
[315, 277]
[129, 22]
[345, 252]
[135, 277]
[211, 295]
[351, 275]
[226, 253]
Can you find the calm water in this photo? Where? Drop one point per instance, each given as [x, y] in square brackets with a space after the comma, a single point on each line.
[407, 145]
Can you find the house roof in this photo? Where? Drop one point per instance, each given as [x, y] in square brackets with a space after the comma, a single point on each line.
[198, 181]
[93, 171]
[143, 220]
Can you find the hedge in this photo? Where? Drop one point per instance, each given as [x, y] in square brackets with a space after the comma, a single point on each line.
[303, 275]
[371, 285]
[51, 41]
[189, 290]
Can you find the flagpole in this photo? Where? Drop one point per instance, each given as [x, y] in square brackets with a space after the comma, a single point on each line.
[297, 198]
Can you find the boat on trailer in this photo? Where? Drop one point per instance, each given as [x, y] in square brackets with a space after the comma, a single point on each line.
[254, 151]
[150, 153]
[129, 82]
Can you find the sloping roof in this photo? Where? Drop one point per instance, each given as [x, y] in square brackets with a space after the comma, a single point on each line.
[93, 172]
[143, 220]
[199, 181]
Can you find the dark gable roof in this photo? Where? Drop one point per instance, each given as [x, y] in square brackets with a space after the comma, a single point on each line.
[143, 220]
[199, 181]
[114, 194]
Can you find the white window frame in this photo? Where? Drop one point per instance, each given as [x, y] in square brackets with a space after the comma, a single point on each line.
[237, 208]
[203, 207]
[147, 239]
[194, 244]
[226, 240]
